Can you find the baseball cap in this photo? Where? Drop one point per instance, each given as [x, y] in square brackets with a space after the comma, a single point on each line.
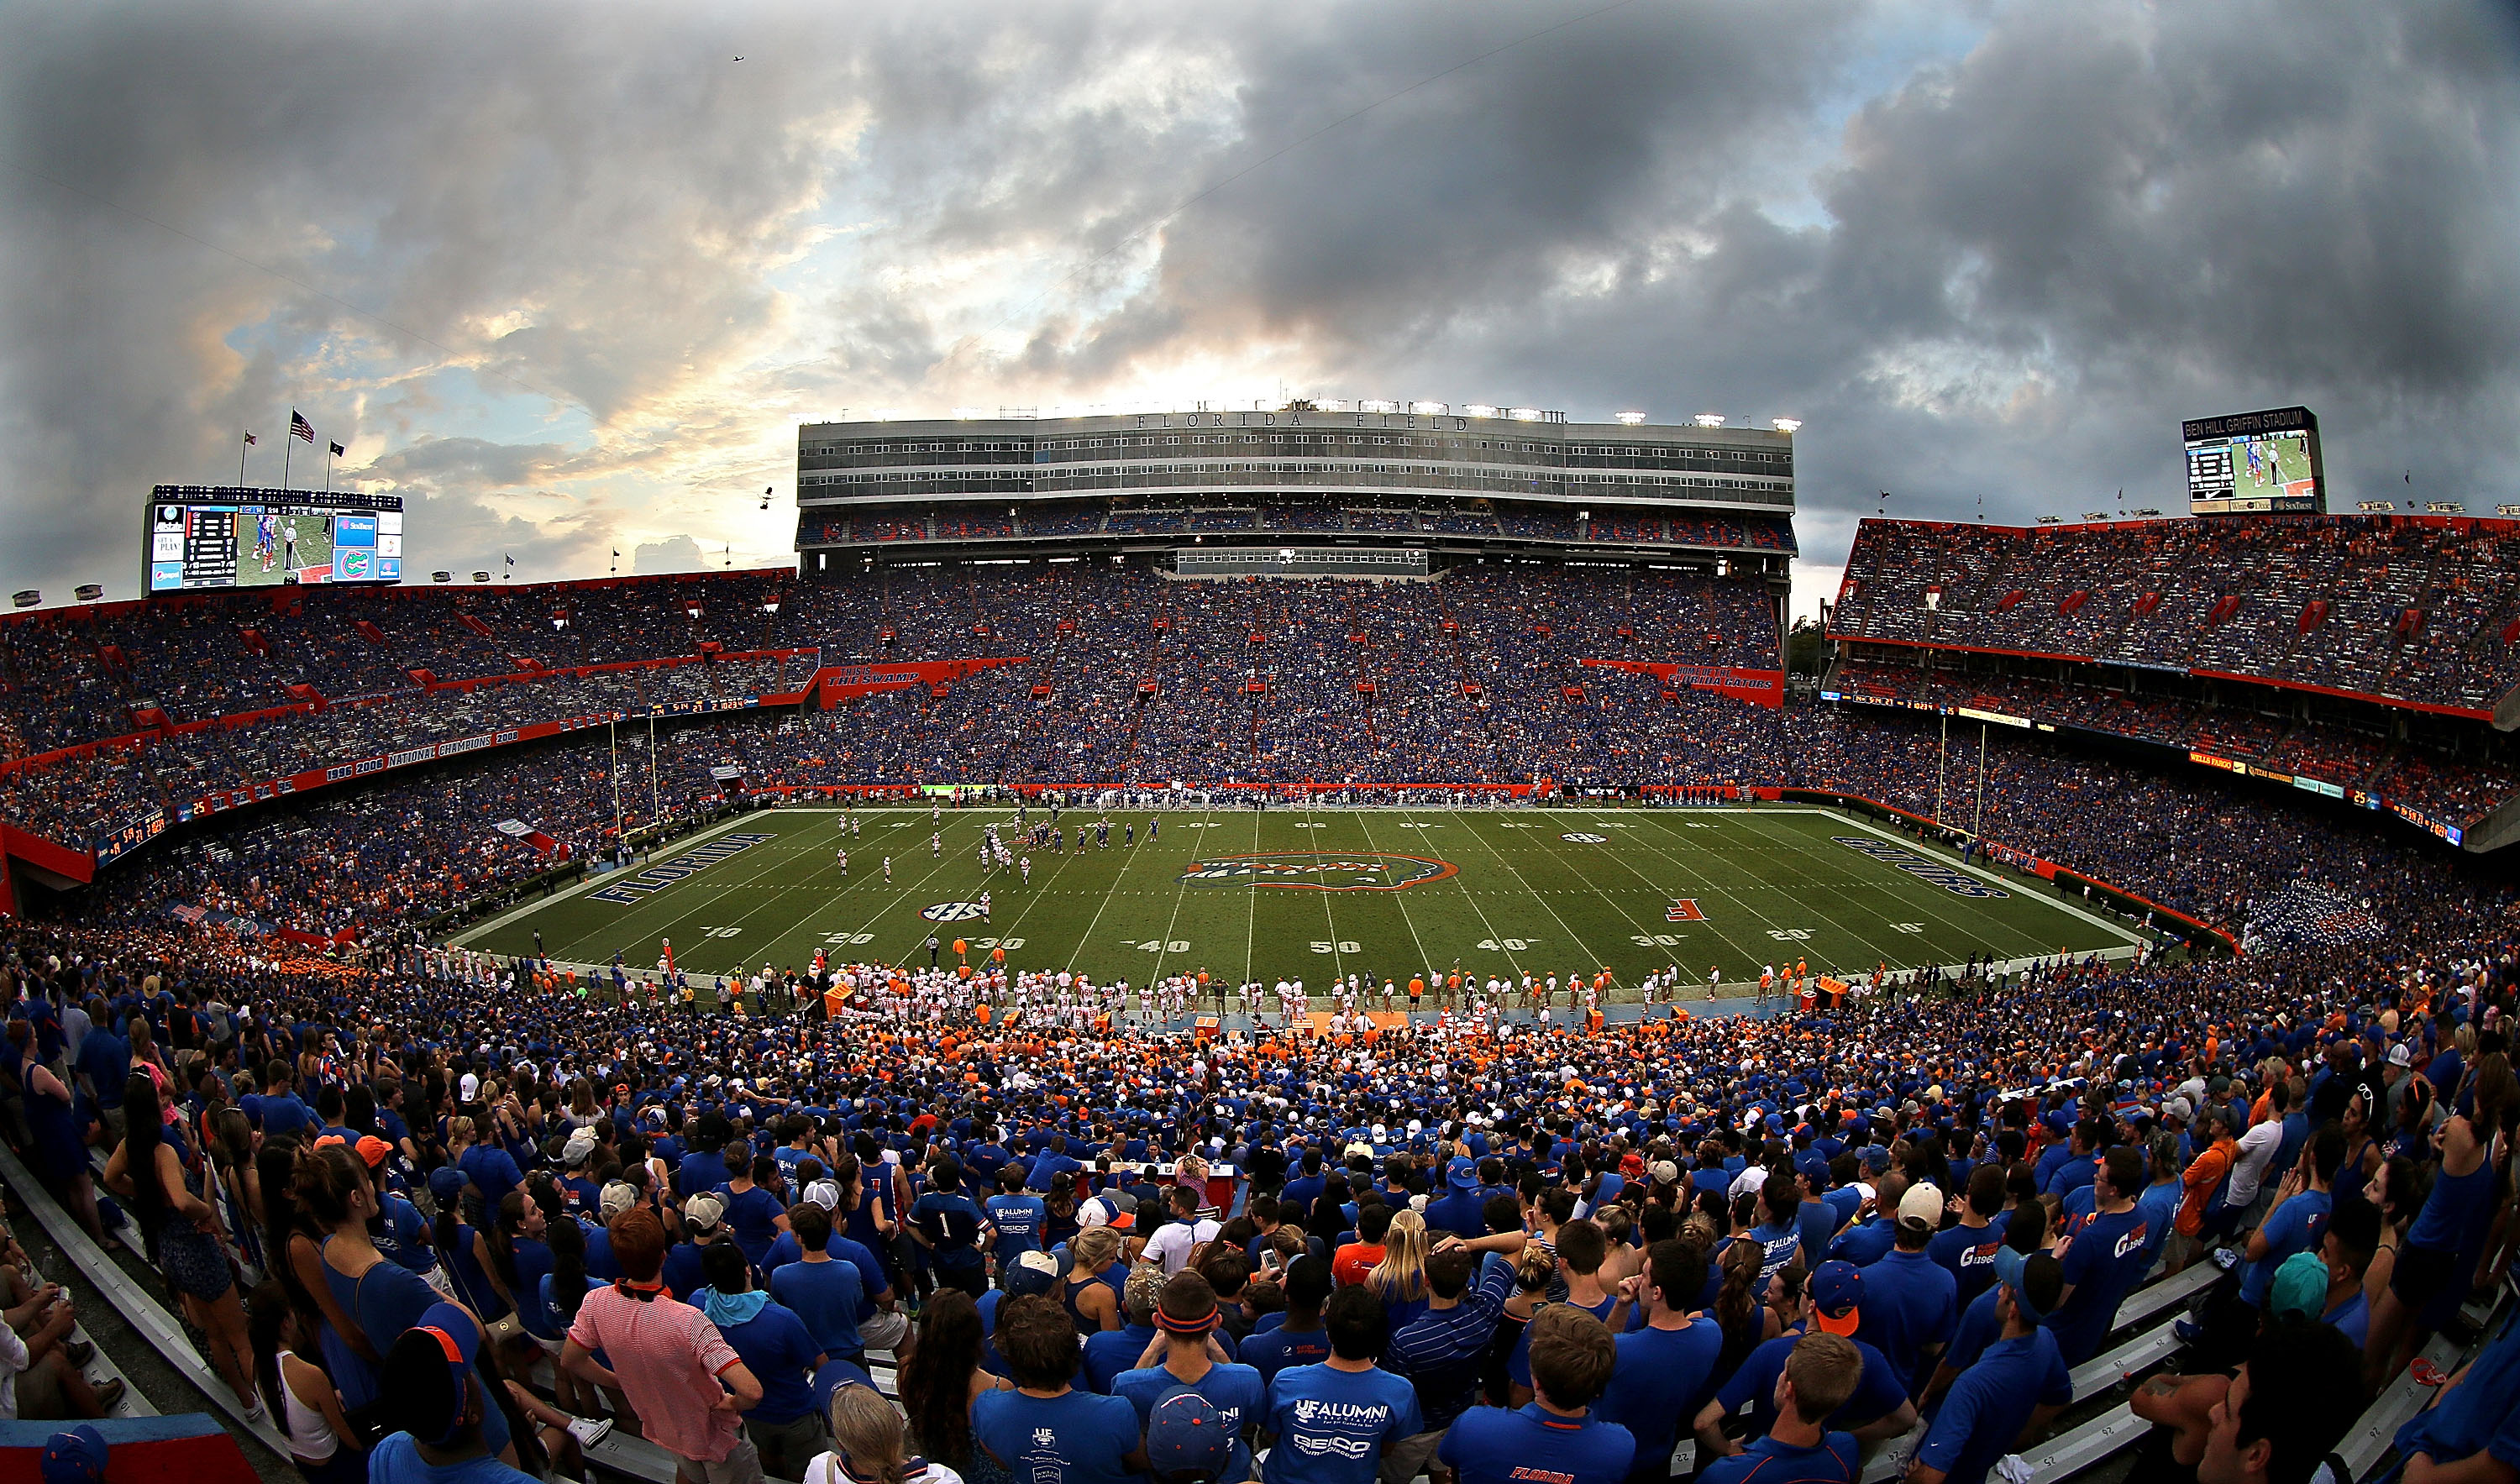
[703, 1210]
[824, 1193]
[618, 1196]
[75, 1457]
[1463, 1175]
[428, 1372]
[2178, 1108]
[2300, 1286]
[1034, 1272]
[446, 1185]
[372, 1150]
[1187, 1435]
[2399, 1055]
[1923, 1204]
[580, 1147]
[1836, 1288]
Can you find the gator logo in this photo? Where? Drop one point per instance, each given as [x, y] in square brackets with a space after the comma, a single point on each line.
[1363, 871]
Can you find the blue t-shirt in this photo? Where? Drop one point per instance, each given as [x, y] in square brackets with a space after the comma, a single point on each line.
[1272, 1350]
[2104, 1263]
[397, 1460]
[1768, 1461]
[1331, 1425]
[1866, 1243]
[1967, 1254]
[953, 1223]
[1019, 1220]
[1978, 1328]
[2296, 1225]
[1662, 1378]
[1489, 1445]
[1909, 1303]
[1109, 1352]
[779, 1352]
[1075, 1438]
[824, 1295]
[1991, 1402]
[1878, 1390]
[1236, 1392]
[752, 1217]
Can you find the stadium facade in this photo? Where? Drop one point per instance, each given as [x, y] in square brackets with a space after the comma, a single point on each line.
[1457, 486]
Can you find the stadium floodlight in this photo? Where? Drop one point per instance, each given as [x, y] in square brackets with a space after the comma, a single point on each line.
[1630, 419]
[442, 575]
[1786, 424]
[479, 575]
[1708, 419]
[1430, 409]
[1524, 414]
[1480, 410]
[1377, 404]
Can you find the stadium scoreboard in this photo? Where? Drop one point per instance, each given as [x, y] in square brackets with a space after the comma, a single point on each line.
[2255, 463]
[222, 537]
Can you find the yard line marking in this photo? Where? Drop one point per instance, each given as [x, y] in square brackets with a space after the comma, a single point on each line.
[1572, 935]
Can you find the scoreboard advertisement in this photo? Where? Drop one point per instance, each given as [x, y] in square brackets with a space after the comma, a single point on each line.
[223, 537]
[2255, 462]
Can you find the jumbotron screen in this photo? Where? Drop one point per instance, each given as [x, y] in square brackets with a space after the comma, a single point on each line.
[219, 538]
[2255, 462]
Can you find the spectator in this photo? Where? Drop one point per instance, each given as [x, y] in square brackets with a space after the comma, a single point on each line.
[1187, 1358]
[1045, 1431]
[1818, 1377]
[1330, 1423]
[2014, 1387]
[778, 1351]
[438, 1405]
[1556, 1436]
[686, 1382]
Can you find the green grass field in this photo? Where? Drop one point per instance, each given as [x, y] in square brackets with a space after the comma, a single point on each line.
[1315, 894]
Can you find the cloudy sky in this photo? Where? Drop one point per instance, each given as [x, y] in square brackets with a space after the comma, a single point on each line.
[567, 277]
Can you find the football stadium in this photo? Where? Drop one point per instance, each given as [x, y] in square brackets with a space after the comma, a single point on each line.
[602, 904]
[1405, 806]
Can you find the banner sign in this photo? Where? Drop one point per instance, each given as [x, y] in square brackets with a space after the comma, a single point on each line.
[1760, 688]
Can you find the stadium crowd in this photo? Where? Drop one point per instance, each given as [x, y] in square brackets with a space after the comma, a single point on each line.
[1471, 1251]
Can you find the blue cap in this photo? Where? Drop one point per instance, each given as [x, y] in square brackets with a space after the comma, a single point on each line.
[1186, 1435]
[1836, 1288]
[446, 1185]
[1463, 1174]
[75, 1457]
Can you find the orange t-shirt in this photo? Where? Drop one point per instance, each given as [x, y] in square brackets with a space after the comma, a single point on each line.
[1354, 1261]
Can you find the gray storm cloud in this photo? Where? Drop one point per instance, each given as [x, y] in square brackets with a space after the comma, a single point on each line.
[567, 280]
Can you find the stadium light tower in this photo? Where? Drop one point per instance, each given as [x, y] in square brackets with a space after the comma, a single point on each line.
[1630, 419]
[1786, 424]
[1709, 419]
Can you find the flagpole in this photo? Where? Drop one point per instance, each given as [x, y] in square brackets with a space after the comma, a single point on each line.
[285, 452]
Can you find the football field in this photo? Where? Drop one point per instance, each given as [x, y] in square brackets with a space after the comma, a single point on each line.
[1316, 894]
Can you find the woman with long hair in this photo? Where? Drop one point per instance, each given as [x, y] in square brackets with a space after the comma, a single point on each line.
[321, 1441]
[1062, 1225]
[1737, 1311]
[869, 1444]
[1088, 1299]
[382, 1297]
[2399, 1190]
[941, 1379]
[58, 1143]
[1400, 1279]
[558, 1294]
[231, 1151]
[181, 1232]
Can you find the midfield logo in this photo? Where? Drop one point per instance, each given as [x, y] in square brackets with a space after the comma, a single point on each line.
[1358, 871]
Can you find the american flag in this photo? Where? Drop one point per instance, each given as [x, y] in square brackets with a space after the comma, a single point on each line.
[299, 427]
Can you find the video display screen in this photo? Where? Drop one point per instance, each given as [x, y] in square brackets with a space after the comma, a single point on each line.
[2255, 462]
[222, 538]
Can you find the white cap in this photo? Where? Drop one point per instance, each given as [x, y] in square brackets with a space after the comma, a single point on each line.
[1923, 1204]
